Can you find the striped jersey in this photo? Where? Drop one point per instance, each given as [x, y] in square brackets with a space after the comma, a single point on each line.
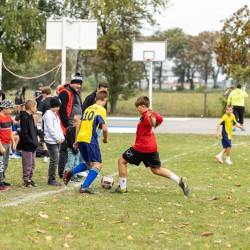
[5, 129]
[227, 123]
[93, 116]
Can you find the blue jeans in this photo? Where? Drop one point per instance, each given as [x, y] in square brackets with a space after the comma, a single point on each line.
[73, 160]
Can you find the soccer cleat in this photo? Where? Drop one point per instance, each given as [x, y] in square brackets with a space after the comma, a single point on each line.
[26, 184]
[183, 184]
[75, 179]
[15, 156]
[120, 191]
[67, 176]
[3, 187]
[6, 183]
[218, 158]
[87, 190]
[82, 174]
[228, 162]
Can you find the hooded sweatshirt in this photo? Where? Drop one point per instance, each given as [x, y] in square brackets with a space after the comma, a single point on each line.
[28, 137]
[52, 130]
[237, 97]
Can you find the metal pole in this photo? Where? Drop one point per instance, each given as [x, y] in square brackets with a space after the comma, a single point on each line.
[63, 74]
[1, 61]
[150, 87]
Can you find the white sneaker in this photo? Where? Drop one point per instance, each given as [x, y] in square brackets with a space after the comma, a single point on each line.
[45, 159]
[82, 174]
[218, 158]
[228, 162]
[14, 156]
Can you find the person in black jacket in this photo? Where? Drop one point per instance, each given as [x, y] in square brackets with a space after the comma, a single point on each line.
[28, 142]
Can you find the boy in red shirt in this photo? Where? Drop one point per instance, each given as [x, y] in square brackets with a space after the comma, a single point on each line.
[145, 149]
[6, 137]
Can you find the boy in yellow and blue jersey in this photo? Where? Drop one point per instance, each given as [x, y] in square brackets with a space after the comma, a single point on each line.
[87, 142]
[226, 122]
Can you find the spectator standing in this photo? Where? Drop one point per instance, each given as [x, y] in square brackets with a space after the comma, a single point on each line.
[71, 105]
[237, 100]
[38, 94]
[28, 142]
[53, 136]
[6, 137]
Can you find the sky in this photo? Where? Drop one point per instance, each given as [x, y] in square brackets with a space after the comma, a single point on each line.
[195, 16]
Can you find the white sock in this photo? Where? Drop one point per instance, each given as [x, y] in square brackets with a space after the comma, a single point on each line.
[123, 183]
[175, 178]
[228, 158]
[220, 154]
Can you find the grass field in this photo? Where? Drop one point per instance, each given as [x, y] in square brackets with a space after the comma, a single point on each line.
[171, 104]
[153, 215]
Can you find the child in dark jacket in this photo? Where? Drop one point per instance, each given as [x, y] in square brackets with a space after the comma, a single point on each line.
[28, 142]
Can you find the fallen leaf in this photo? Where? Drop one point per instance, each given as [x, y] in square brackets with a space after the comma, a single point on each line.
[205, 234]
[183, 225]
[237, 185]
[40, 231]
[134, 224]
[65, 245]
[68, 236]
[48, 238]
[42, 215]
[247, 229]
[214, 199]
[129, 237]
[228, 245]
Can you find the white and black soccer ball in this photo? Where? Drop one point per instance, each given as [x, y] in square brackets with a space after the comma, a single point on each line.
[107, 182]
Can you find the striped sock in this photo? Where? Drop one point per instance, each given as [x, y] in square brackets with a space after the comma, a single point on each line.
[93, 172]
[80, 168]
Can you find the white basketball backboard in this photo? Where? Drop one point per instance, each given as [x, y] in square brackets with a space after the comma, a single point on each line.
[145, 51]
[78, 34]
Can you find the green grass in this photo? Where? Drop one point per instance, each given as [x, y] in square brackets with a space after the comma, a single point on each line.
[153, 215]
[171, 104]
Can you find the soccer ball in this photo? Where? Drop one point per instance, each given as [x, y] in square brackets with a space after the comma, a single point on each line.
[107, 182]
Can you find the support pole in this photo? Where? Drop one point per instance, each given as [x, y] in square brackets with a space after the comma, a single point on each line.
[63, 72]
[1, 62]
[150, 87]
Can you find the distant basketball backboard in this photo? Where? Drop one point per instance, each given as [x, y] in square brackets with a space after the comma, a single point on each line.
[78, 34]
[149, 51]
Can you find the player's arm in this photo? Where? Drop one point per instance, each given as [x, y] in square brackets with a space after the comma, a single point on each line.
[105, 133]
[75, 145]
[238, 125]
[152, 119]
[218, 131]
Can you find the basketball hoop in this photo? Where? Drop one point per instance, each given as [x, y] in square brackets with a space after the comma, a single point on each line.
[148, 59]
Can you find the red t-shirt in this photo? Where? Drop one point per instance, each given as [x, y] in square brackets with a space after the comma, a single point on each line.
[5, 129]
[145, 138]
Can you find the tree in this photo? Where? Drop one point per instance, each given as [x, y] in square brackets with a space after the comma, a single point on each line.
[233, 47]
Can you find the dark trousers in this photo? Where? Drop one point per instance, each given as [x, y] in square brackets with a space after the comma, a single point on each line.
[239, 114]
[62, 158]
[28, 163]
[54, 159]
[4, 160]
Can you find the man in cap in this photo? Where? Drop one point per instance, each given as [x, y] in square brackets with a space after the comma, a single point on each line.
[71, 105]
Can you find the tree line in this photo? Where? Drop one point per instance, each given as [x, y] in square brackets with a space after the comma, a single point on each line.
[23, 30]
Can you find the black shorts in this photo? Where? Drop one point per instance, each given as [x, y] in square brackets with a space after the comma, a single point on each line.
[135, 157]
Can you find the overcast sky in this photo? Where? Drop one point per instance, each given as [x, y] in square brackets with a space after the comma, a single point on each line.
[195, 16]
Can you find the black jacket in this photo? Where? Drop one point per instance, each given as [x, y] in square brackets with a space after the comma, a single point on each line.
[28, 137]
[90, 100]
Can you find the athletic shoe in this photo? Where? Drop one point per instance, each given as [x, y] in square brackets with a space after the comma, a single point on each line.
[234, 129]
[218, 158]
[14, 156]
[32, 183]
[87, 190]
[120, 191]
[183, 184]
[243, 129]
[82, 174]
[228, 162]
[75, 179]
[54, 183]
[3, 187]
[6, 183]
[26, 184]
[67, 176]
[45, 159]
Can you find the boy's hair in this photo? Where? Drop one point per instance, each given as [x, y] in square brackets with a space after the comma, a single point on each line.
[39, 85]
[103, 84]
[30, 104]
[142, 100]
[239, 86]
[101, 95]
[230, 106]
[46, 90]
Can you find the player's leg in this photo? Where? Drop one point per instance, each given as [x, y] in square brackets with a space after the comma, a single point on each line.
[228, 153]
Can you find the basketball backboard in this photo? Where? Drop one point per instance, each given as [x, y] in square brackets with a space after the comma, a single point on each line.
[149, 51]
[78, 34]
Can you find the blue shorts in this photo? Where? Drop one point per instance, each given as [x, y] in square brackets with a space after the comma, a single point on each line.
[90, 152]
[226, 143]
